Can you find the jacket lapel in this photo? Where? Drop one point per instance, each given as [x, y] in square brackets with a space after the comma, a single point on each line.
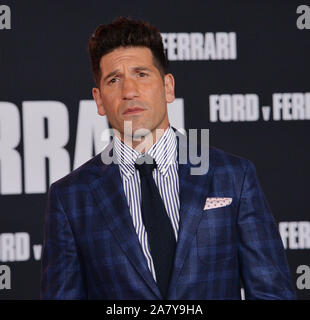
[111, 200]
[193, 192]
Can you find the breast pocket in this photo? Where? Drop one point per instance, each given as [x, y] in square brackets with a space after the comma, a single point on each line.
[216, 235]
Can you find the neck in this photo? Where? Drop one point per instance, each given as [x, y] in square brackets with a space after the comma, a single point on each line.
[143, 143]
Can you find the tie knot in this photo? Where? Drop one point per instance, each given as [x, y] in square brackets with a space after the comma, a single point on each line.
[145, 165]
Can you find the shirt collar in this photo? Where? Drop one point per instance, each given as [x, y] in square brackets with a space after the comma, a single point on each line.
[164, 151]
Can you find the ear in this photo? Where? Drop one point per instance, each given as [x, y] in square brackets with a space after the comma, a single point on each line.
[169, 87]
[99, 102]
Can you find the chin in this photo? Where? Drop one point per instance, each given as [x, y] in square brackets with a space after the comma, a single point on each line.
[140, 132]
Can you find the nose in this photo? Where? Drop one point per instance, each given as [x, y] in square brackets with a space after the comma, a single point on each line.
[130, 89]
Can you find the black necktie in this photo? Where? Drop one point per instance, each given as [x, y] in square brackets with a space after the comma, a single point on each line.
[158, 226]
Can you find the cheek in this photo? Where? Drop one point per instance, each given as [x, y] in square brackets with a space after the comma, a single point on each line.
[157, 96]
[110, 103]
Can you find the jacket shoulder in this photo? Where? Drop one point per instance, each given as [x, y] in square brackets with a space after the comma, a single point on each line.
[220, 159]
[81, 177]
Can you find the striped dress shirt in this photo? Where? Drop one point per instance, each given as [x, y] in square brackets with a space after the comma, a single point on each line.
[166, 178]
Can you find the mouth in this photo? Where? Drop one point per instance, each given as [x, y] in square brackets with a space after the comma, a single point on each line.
[132, 111]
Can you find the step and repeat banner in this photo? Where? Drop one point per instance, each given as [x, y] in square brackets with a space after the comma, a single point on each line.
[241, 70]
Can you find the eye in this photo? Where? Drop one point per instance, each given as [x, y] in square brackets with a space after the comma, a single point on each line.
[113, 80]
[142, 74]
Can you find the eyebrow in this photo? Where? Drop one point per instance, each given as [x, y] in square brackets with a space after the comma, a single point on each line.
[111, 74]
[138, 68]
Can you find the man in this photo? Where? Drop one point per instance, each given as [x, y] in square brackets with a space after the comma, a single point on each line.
[144, 226]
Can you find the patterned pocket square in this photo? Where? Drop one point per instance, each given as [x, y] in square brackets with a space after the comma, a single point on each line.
[216, 202]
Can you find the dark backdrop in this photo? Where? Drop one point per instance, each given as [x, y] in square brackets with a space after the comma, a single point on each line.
[43, 57]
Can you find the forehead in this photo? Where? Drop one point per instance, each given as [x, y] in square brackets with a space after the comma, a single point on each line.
[129, 56]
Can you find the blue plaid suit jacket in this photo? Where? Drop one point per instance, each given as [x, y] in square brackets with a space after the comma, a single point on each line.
[91, 249]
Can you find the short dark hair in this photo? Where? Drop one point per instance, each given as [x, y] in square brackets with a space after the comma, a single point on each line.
[125, 32]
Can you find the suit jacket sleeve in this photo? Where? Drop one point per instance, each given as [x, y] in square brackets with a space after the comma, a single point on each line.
[61, 276]
[263, 264]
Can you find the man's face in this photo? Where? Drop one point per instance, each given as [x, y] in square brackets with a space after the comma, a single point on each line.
[132, 89]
